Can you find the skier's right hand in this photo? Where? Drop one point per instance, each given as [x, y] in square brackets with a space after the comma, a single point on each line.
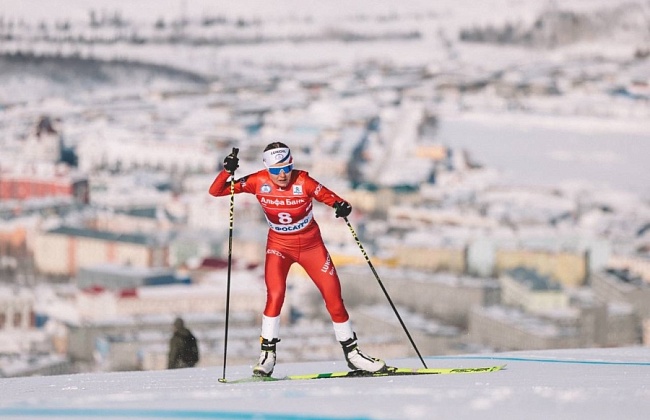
[231, 163]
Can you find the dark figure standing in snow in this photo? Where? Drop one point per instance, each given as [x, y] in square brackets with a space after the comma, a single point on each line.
[286, 195]
[183, 348]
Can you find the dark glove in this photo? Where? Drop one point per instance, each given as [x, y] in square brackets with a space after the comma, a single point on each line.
[231, 163]
[343, 208]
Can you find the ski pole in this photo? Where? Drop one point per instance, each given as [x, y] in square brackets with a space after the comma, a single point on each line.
[230, 229]
[372, 268]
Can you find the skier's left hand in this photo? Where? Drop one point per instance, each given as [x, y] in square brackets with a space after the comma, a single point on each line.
[343, 208]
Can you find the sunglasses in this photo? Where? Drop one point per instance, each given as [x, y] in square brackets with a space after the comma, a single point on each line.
[275, 170]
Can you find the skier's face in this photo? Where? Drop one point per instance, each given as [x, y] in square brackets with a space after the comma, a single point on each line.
[281, 174]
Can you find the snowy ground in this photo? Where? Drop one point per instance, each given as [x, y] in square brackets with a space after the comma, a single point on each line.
[551, 384]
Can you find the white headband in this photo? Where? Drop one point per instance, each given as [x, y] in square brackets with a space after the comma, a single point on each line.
[274, 156]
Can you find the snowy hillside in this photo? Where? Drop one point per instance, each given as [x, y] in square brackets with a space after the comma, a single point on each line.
[551, 98]
[553, 384]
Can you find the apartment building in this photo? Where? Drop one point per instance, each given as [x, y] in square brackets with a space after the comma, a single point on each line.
[505, 328]
[16, 309]
[64, 250]
[446, 296]
[531, 291]
[623, 286]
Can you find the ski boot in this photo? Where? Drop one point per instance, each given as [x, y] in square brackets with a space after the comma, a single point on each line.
[266, 362]
[357, 360]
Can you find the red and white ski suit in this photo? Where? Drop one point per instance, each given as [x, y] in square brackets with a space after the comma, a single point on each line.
[294, 235]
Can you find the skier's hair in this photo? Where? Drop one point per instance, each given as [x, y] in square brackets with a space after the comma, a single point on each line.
[275, 145]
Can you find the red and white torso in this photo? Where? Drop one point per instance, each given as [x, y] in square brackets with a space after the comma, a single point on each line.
[287, 210]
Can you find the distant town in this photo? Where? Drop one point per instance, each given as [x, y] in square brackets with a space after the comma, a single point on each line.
[108, 233]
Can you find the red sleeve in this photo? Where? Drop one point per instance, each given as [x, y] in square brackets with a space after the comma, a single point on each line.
[221, 184]
[320, 192]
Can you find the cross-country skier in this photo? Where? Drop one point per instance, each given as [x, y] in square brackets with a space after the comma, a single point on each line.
[285, 195]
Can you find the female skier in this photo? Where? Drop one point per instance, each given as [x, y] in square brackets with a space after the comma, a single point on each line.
[285, 195]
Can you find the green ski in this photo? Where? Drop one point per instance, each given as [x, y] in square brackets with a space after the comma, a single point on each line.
[390, 371]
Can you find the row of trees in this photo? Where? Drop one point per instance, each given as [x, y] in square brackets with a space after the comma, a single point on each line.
[554, 28]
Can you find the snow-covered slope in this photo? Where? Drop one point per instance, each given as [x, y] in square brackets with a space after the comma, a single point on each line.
[553, 384]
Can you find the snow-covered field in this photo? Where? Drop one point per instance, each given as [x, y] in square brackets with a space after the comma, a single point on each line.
[580, 384]
[528, 152]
